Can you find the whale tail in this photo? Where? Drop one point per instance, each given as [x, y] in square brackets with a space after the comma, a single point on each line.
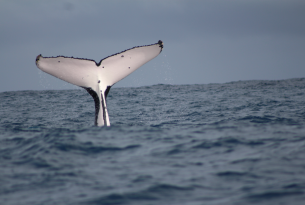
[97, 78]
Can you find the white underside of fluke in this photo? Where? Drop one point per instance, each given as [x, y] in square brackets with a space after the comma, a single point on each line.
[97, 78]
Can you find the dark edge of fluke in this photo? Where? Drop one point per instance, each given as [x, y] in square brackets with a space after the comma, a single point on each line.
[98, 64]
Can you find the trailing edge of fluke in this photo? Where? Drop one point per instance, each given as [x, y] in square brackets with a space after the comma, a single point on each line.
[97, 78]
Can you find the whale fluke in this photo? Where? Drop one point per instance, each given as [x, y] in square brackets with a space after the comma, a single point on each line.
[97, 78]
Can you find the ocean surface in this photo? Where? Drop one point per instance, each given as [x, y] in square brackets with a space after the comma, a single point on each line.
[235, 143]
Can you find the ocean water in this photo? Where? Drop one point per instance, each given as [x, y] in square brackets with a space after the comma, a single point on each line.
[233, 143]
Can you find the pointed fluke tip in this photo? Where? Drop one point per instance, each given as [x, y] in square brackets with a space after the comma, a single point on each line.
[160, 43]
[37, 58]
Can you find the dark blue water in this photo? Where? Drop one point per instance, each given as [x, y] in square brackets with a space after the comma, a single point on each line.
[233, 143]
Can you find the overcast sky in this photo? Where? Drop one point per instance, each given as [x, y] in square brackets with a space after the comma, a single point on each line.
[204, 41]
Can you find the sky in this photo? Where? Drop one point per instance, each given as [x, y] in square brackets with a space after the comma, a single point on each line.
[205, 42]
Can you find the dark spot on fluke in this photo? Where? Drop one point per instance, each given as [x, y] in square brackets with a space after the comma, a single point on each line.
[99, 81]
[160, 43]
[122, 56]
[37, 58]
